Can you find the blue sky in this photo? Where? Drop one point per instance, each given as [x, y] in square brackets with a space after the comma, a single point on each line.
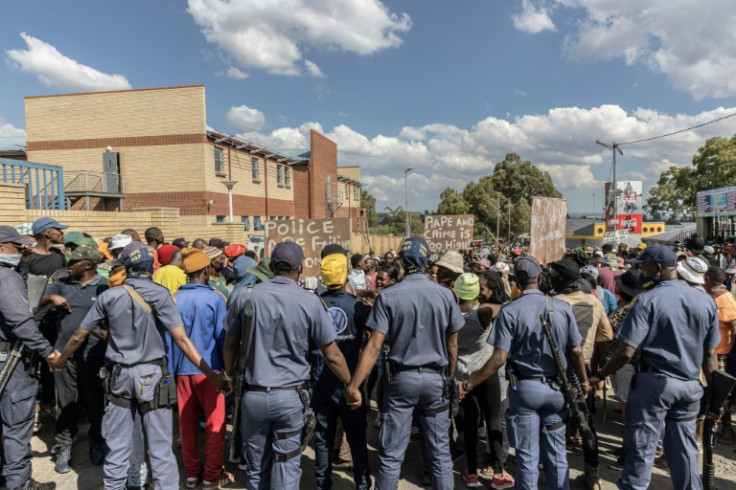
[447, 88]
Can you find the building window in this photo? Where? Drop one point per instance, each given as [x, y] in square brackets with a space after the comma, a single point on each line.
[287, 176]
[257, 225]
[356, 194]
[220, 219]
[246, 222]
[255, 170]
[219, 161]
[279, 175]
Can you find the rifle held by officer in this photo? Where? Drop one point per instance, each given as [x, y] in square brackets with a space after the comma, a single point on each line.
[239, 377]
[11, 361]
[578, 412]
[720, 386]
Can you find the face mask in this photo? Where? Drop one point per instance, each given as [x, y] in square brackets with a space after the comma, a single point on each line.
[11, 259]
[117, 279]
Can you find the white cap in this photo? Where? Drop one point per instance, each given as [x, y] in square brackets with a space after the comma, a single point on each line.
[709, 250]
[693, 270]
[120, 241]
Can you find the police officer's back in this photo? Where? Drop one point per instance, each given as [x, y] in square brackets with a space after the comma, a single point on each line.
[18, 400]
[421, 320]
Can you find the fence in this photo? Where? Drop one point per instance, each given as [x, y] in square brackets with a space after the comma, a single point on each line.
[44, 184]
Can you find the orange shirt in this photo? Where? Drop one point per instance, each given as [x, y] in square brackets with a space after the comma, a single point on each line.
[726, 304]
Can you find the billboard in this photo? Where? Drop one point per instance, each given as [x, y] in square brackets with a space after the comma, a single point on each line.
[449, 232]
[547, 237]
[312, 235]
[629, 206]
[716, 202]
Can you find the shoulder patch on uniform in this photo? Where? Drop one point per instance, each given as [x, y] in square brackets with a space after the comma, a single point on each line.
[339, 318]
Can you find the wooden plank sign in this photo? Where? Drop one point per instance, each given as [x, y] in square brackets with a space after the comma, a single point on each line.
[448, 232]
[547, 238]
[311, 234]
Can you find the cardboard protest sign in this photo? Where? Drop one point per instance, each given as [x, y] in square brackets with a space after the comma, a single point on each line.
[448, 232]
[549, 220]
[311, 234]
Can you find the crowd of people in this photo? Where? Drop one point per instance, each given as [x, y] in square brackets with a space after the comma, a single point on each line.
[140, 334]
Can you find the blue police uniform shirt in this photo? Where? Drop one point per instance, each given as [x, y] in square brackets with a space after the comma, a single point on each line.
[134, 335]
[203, 312]
[416, 315]
[81, 298]
[672, 324]
[16, 321]
[518, 330]
[348, 317]
[285, 319]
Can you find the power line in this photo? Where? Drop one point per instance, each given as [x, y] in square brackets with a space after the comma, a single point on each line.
[677, 132]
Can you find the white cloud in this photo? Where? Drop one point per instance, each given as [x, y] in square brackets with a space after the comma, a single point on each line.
[274, 35]
[237, 73]
[532, 18]
[56, 70]
[690, 41]
[561, 142]
[313, 69]
[243, 117]
[7, 130]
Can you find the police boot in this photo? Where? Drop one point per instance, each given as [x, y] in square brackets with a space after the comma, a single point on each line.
[590, 478]
[32, 484]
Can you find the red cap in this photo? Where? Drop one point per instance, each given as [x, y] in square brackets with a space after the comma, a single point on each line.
[165, 252]
[235, 250]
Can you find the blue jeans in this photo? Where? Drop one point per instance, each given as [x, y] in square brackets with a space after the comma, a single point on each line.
[653, 399]
[424, 391]
[328, 404]
[263, 415]
[534, 419]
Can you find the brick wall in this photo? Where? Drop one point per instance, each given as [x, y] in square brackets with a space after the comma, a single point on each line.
[323, 164]
[301, 191]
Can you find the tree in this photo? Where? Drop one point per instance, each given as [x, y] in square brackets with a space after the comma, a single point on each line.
[517, 179]
[368, 202]
[713, 166]
[452, 202]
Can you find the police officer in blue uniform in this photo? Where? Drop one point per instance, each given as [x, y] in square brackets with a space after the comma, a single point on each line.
[537, 408]
[421, 320]
[675, 326]
[286, 318]
[18, 400]
[138, 384]
[348, 318]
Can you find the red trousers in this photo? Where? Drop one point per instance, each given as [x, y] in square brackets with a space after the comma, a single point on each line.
[196, 394]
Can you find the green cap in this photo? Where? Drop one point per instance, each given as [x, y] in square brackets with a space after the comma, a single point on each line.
[85, 252]
[78, 238]
[262, 271]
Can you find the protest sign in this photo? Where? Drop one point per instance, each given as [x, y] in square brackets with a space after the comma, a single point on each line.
[547, 237]
[311, 234]
[448, 232]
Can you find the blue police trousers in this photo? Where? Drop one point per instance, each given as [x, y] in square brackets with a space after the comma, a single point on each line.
[410, 389]
[328, 404]
[265, 414]
[138, 383]
[655, 401]
[534, 419]
[17, 411]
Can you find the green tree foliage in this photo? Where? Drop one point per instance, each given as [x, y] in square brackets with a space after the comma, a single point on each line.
[513, 183]
[368, 202]
[394, 223]
[713, 166]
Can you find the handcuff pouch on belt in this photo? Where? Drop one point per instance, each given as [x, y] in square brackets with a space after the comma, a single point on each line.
[164, 393]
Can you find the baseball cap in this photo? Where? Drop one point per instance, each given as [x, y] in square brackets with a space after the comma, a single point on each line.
[334, 269]
[526, 269]
[467, 286]
[78, 238]
[8, 234]
[451, 260]
[657, 254]
[85, 252]
[693, 270]
[180, 242]
[138, 259]
[43, 224]
[120, 241]
[589, 269]
[289, 253]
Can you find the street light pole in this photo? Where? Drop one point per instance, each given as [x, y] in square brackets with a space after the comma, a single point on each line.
[230, 184]
[406, 199]
[498, 215]
[594, 205]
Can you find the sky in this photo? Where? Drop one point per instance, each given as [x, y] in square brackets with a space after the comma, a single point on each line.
[446, 88]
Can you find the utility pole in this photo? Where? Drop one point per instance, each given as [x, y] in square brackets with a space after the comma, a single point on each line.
[498, 214]
[406, 199]
[615, 148]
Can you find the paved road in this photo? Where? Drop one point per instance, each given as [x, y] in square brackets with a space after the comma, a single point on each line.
[87, 477]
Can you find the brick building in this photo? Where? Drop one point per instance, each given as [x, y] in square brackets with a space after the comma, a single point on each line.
[137, 149]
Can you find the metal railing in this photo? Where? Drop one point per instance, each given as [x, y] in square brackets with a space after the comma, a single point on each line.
[44, 183]
[85, 182]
